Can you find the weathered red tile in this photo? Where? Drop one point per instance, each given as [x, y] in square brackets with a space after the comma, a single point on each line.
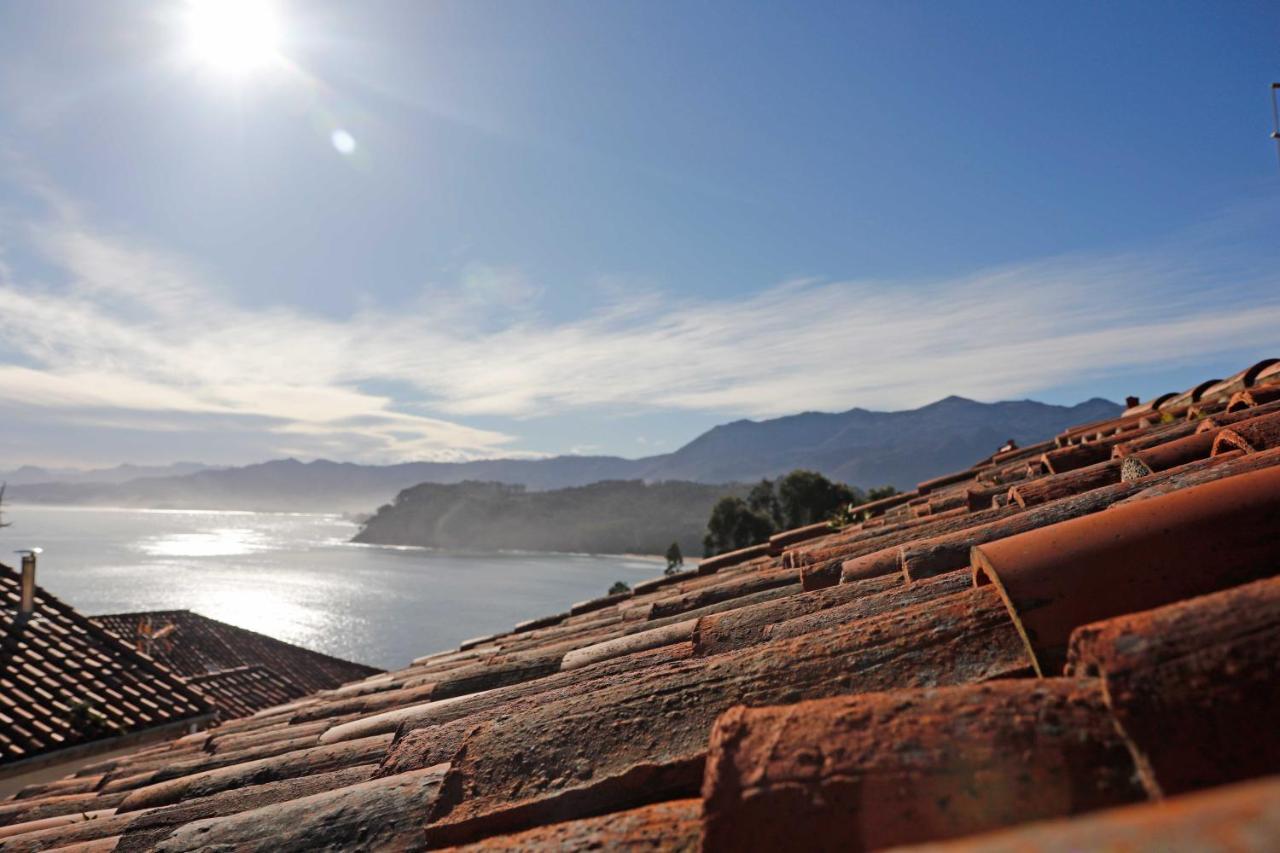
[866, 606]
[800, 534]
[678, 632]
[930, 486]
[882, 769]
[1249, 436]
[437, 713]
[1252, 398]
[1240, 818]
[746, 626]
[675, 825]
[304, 762]
[382, 814]
[1066, 484]
[152, 825]
[1205, 669]
[733, 558]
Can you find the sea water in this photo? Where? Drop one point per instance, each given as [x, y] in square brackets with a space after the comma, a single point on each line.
[297, 577]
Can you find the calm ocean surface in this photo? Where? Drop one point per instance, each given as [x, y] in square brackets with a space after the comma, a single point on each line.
[297, 578]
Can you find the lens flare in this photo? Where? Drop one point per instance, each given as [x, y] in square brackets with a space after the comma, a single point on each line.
[344, 142]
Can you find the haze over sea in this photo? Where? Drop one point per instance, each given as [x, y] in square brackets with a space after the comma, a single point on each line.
[296, 577]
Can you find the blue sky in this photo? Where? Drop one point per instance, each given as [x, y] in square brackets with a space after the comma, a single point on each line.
[605, 226]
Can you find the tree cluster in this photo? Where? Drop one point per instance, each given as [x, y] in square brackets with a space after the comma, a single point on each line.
[796, 500]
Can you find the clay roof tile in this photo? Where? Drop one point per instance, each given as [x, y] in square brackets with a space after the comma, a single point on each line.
[882, 769]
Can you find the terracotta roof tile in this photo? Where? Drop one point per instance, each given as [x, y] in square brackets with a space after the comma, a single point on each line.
[1250, 436]
[150, 827]
[290, 765]
[244, 689]
[1244, 379]
[380, 813]
[929, 486]
[1268, 374]
[628, 644]
[978, 497]
[1191, 395]
[899, 597]
[1068, 483]
[52, 805]
[733, 558]
[1253, 398]
[883, 505]
[1242, 817]
[778, 541]
[675, 825]
[746, 625]
[883, 769]
[1010, 472]
[68, 831]
[1205, 668]
[1225, 418]
[1080, 455]
[486, 703]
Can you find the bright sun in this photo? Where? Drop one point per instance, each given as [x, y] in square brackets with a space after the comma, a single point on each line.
[234, 37]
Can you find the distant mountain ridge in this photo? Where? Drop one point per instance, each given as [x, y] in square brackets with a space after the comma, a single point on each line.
[30, 474]
[859, 447]
[866, 448]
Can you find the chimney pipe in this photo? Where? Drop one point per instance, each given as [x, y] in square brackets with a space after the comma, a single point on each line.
[27, 604]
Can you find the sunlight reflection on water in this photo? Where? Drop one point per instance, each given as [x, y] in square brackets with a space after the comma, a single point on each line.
[224, 542]
[264, 610]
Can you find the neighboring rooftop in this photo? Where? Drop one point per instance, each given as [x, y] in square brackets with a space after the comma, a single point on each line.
[240, 670]
[1070, 645]
[67, 683]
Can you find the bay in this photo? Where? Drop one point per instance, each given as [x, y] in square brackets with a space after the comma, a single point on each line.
[296, 577]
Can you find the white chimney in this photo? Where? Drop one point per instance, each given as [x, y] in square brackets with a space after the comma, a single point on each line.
[27, 604]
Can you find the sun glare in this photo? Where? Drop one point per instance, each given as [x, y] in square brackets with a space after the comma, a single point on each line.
[234, 37]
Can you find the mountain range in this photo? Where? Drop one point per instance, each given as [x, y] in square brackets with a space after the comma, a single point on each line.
[859, 447]
[28, 474]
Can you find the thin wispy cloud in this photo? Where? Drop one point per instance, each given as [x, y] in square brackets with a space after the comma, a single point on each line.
[128, 330]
